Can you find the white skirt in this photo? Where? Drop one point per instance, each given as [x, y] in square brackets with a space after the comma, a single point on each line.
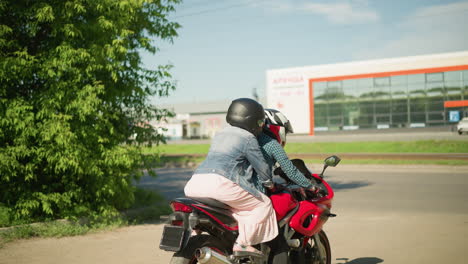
[255, 216]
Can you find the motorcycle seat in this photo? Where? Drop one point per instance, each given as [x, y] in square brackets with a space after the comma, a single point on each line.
[211, 202]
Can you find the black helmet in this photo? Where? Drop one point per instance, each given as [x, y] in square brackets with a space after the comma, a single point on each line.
[246, 113]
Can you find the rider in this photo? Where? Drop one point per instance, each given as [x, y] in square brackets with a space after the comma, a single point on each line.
[272, 140]
[226, 175]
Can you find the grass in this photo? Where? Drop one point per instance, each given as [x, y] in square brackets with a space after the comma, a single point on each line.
[422, 146]
[394, 162]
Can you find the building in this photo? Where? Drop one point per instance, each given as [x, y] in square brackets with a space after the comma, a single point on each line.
[196, 119]
[418, 91]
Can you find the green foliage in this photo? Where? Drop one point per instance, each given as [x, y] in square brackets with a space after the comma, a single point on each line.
[73, 92]
[148, 207]
[4, 216]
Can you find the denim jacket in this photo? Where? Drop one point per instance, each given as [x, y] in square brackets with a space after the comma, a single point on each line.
[234, 154]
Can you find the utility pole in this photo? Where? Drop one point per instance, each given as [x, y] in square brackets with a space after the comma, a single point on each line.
[255, 94]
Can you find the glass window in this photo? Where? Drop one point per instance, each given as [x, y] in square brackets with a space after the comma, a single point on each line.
[366, 121]
[417, 105]
[435, 89]
[453, 76]
[453, 88]
[465, 76]
[436, 116]
[334, 91]
[384, 81]
[398, 118]
[418, 117]
[336, 84]
[366, 82]
[416, 78]
[350, 88]
[398, 80]
[320, 115]
[335, 109]
[383, 119]
[366, 108]
[400, 106]
[382, 92]
[351, 113]
[398, 88]
[382, 107]
[416, 90]
[435, 77]
[399, 91]
[434, 104]
[319, 89]
[336, 120]
[365, 88]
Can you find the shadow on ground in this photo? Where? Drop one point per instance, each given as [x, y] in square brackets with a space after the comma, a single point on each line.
[168, 182]
[340, 185]
[368, 260]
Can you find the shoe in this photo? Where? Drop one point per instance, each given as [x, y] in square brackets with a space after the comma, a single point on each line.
[246, 251]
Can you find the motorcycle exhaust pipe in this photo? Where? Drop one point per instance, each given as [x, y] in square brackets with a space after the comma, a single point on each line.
[206, 255]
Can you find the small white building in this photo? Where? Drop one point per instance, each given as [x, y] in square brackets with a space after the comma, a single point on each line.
[196, 120]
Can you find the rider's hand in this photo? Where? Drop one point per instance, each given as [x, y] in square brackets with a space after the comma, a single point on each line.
[303, 191]
[276, 188]
[313, 189]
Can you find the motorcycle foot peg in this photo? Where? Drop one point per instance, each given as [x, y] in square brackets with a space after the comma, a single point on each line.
[331, 215]
[294, 243]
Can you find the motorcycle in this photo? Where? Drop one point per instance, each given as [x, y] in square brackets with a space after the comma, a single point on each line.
[202, 230]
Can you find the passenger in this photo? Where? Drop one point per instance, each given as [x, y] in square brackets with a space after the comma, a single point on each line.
[226, 175]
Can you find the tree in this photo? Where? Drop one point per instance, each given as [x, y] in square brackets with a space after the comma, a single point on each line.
[73, 91]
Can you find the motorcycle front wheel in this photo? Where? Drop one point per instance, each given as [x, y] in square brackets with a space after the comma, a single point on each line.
[318, 251]
[187, 254]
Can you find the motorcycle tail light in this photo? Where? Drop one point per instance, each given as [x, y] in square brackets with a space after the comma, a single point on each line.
[177, 223]
[180, 207]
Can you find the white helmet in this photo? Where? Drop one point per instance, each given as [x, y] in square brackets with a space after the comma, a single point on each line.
[278, 124]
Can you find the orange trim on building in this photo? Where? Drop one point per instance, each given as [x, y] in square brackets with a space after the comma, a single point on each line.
[312, 109]
[460, 103]
[373, 75]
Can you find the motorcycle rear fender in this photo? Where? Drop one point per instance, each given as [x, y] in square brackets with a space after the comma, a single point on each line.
[216, 221]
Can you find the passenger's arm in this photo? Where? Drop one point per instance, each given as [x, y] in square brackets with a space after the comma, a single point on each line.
[278, 153]
[256, 159]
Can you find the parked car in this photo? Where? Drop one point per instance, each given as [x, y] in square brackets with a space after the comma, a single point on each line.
[462, 126]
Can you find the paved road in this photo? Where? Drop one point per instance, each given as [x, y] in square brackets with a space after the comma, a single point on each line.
[386, 214]
[392, 214]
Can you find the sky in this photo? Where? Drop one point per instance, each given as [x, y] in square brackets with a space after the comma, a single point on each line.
[225, 47]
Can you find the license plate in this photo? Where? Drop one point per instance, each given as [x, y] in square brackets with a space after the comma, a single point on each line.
[172, 238]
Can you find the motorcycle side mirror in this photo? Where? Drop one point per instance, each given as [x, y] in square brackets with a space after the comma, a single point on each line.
[331, 161]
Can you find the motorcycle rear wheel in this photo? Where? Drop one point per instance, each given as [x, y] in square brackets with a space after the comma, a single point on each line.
[187, 254]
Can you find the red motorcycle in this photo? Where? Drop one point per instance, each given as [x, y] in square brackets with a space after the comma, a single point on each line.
[202, 230]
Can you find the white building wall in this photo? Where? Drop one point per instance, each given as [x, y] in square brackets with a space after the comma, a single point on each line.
[288, 89]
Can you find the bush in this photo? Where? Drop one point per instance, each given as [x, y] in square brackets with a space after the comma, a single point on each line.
[73, 91]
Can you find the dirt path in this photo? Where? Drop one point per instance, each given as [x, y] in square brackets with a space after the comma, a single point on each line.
[135, 244]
